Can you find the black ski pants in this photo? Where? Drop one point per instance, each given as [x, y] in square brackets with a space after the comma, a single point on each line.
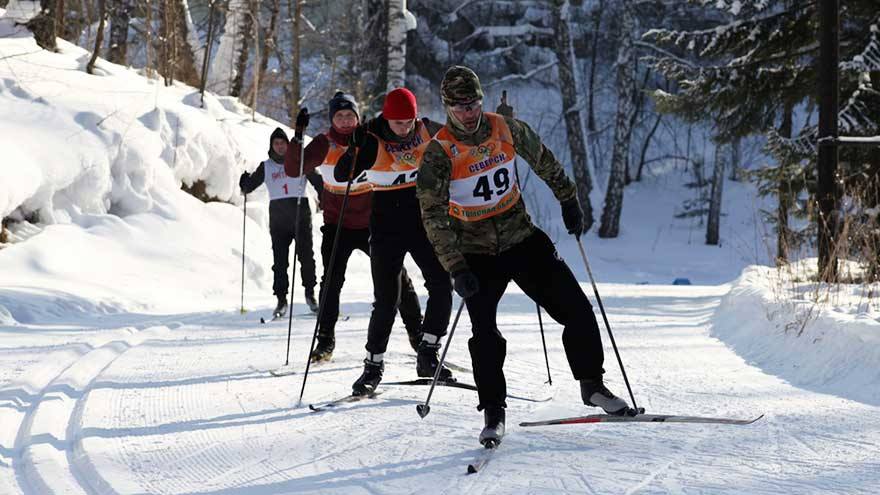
[284, 231]
[349, 241]
[538, 270]
[387, 250]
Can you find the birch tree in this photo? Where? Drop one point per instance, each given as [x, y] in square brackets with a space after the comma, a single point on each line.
[572, 105]
[610, 226]
[227, 64]
[400, 21]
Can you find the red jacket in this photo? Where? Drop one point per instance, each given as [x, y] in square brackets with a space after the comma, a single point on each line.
[357, 211]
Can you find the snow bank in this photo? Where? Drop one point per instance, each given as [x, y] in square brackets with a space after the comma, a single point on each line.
[99, 161]
[837, 352]
[106, 143]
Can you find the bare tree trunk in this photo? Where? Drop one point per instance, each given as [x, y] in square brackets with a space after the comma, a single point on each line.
[594, 54]
[295, 83]
[255, 19]
[43, 25]
[184, 59]
[713, 224]
[120, 16]
[625, 107]
[396, 72]
[270, 38]
[735, 159]
[568, 85]
[244, 42]
[148, 31]
[166, 67]
[783, 193]
[646, 144]
[209, 44]
[99, 39]
[60, 12]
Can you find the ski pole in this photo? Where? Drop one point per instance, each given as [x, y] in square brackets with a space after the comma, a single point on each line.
[243, 234]
[424, 409]
[605, 318]
[544, 343]
[325, 284]
[298, 134]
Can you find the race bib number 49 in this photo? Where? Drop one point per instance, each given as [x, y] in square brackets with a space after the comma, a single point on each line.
[484, 195]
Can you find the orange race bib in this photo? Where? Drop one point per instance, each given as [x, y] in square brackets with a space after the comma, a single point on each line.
[397, 164]
[360, 185]
[483, 180]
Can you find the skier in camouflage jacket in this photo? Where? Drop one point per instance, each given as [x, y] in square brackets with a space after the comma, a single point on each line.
[477, 222]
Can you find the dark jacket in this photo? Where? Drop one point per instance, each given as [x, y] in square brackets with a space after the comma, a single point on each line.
[393, 211]
[357, 212]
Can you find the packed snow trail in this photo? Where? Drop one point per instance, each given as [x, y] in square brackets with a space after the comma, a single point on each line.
[187, 406]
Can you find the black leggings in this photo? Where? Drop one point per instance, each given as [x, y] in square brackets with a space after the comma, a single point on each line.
[349, 241]
[539, 271]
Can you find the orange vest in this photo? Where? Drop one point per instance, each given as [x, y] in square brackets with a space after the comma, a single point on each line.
[482, 183]
[397, 164]
[359, 185]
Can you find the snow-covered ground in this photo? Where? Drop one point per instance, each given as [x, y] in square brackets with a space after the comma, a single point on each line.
[126, 367]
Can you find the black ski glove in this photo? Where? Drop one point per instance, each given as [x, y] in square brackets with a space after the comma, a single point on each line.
[359, 136]
[573, 217]
[465, 283]
[242, 181]
[302, 118]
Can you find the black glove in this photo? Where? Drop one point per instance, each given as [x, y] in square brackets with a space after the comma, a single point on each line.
[359, 136]
[302, 118]
[465, 283]
[242, 181]
[573, 217]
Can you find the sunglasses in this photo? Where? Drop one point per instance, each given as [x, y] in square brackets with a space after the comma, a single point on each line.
[467, 107]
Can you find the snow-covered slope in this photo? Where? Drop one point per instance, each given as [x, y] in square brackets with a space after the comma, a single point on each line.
[98, 161]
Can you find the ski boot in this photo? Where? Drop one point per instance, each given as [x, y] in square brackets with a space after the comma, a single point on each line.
[427, 361]
[594, 393]
[369, 380]
[324, 349]
[281, 307]
[311, 302]
[493, 431]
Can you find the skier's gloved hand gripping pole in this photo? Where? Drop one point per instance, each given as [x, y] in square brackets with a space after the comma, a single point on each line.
[573, 217]
[302, 121]
[329, 272]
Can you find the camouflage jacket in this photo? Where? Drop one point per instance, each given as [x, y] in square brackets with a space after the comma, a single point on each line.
[451, 237]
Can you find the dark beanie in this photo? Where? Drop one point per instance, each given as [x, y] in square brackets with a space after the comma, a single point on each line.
[278, 133]
[400, 104]
[343, 101]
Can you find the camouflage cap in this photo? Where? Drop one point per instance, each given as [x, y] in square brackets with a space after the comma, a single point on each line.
[460, 85]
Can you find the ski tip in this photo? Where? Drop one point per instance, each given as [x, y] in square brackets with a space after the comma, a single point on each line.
[262, 320]
[756, 419]
[423, 410]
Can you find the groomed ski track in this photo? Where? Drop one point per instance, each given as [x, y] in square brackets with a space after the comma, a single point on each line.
[185, 404]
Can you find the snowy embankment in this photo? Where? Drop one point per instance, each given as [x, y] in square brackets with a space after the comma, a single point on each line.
[832, 348]
[91, 176]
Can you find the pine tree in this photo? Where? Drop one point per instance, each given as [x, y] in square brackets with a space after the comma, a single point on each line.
[757, 63]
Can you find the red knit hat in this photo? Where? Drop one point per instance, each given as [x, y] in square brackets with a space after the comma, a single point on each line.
[400, 104]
